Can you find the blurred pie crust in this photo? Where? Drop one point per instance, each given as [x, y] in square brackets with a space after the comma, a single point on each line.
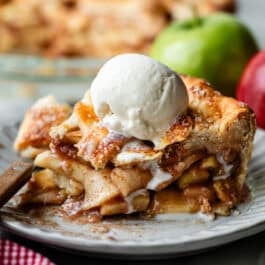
[88, 28]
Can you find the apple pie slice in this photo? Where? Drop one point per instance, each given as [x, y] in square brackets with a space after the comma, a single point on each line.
[200, 165]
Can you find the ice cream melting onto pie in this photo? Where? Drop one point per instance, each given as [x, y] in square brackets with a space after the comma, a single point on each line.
[139, 97]
[130, 199]
[226, 167]
[159, 176]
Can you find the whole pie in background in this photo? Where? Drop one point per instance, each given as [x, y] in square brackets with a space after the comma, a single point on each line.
[102, 28]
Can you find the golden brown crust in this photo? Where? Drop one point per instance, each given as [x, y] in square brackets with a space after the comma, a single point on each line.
[224, 125]
[34, 130]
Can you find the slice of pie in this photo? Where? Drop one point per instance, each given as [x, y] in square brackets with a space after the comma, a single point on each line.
[200, 165]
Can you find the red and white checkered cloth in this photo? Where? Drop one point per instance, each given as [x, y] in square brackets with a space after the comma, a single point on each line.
[14, 254]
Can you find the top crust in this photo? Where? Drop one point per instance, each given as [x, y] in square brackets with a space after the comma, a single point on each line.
[34, 130]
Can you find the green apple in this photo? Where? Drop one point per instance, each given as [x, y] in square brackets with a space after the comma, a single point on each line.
[215, 48]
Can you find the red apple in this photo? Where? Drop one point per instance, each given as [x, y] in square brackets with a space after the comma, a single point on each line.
[251, 88]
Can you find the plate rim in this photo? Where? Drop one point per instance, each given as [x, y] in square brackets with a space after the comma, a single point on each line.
[132, 250]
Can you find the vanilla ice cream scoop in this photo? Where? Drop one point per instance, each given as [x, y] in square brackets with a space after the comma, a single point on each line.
[138, 96]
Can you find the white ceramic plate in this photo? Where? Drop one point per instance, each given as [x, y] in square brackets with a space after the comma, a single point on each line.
[166, 235]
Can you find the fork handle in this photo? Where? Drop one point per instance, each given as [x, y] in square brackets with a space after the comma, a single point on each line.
[12, 179]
